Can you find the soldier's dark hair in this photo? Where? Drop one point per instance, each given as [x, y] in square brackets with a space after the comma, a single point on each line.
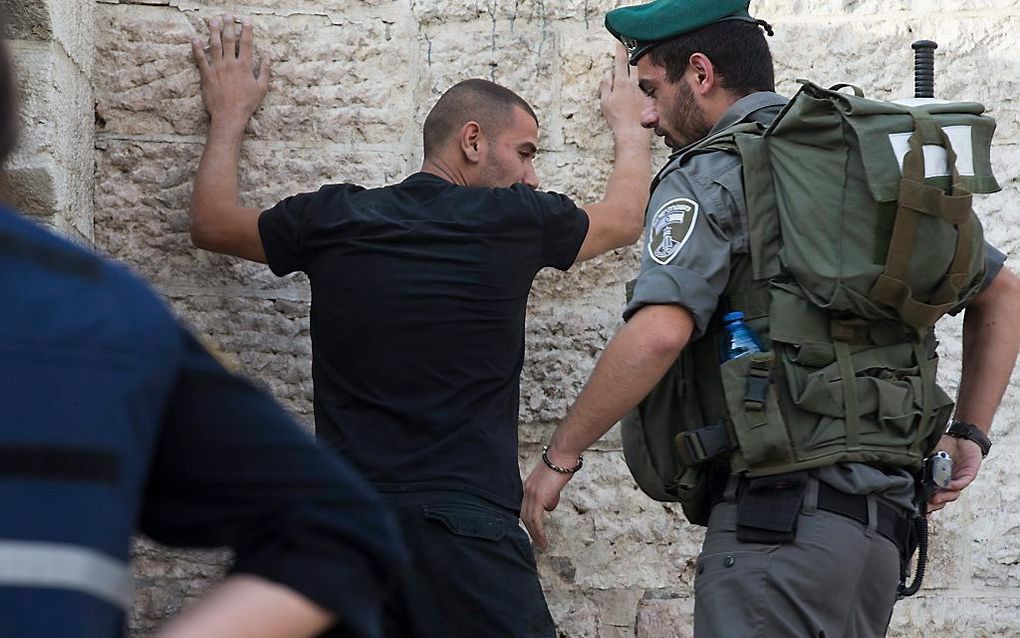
[737, 49]
[8, 100]
[481, 101]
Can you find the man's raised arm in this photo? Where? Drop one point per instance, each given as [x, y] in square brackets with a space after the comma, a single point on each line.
[618, 219]
[231, 92]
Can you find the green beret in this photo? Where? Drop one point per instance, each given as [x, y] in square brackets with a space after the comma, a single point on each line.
[644, 26]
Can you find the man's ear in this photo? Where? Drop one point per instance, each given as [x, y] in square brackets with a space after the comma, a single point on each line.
[704, 78]
[472, 142]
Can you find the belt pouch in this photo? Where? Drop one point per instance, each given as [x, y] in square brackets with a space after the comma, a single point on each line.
[768, 507]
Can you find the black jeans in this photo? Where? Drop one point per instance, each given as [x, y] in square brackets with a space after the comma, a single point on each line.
[473, 571]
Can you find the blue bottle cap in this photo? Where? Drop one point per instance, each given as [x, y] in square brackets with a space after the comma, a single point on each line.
[736, 315]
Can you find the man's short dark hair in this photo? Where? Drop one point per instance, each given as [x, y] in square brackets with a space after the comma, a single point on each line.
[737, 49]
[487, 103]
[8, 101]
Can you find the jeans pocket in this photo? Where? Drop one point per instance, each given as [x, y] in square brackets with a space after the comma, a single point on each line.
[466, 519]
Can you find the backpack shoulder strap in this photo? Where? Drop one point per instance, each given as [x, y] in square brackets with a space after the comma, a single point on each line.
[762, 211]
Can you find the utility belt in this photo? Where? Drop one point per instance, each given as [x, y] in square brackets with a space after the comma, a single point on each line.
[768, 509]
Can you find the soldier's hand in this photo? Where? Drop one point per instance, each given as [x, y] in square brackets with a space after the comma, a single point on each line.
[231, 87]
[541, 495]
[966, 463]
[622, 100]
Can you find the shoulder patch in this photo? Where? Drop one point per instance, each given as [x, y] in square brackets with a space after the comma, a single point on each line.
[670, 228]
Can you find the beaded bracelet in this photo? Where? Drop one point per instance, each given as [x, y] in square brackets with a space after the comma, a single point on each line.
[559, 468]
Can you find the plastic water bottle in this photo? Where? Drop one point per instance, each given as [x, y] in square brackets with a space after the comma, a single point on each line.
[740, 339]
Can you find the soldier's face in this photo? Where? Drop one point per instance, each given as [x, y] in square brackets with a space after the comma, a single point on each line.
[509, 158]
[671, 109]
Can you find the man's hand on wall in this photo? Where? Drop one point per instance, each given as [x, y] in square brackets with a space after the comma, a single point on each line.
[231, 89]
[622, 101]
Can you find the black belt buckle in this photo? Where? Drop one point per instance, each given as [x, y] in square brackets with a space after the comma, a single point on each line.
[768, 508]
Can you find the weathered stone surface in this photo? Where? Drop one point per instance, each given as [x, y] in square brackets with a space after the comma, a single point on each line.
[50, 174]
[665, 614]
[521, 57]
[977, 613]
[28, 20]
[167, 580]
[590, 12]
[263, 339]
[286, 8]
[344, 83]
[994, 551]
[809, 10]
[67, 23]
[876, 55]
[74, 30]
[606, 534]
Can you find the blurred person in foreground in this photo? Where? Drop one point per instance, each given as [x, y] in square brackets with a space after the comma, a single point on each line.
[117, 421]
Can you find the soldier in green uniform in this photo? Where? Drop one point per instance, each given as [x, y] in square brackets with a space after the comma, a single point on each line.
[704, 66]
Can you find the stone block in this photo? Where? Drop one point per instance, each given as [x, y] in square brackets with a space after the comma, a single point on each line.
[263, 339]
[333, 83]
[520, 57]
[584, 59]
[998, 210]
[976, 614]
[65, 22]
[168, 580]
[769, 9]
[575, 614]
[590, 12]
[665, 614]
[562, 345]
[606, 534]
[51, 175]
[28, 20]
[289, 7]
[994, 550]
[74, 29]
[949, 542]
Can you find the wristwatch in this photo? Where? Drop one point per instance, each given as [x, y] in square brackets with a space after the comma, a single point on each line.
[971, 432]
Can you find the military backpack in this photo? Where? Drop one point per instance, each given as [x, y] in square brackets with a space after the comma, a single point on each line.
[862, 235]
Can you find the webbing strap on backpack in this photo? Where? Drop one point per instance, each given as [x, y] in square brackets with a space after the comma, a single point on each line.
[916, 198]
[850, 398]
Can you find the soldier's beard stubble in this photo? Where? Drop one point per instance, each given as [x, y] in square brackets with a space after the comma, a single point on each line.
[688, 119]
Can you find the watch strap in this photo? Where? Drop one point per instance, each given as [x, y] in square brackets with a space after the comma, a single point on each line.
[971, 432]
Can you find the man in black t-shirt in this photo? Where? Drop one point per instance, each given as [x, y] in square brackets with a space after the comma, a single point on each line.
[419, 293]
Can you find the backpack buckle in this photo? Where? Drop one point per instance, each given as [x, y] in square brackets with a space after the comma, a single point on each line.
[704, 444]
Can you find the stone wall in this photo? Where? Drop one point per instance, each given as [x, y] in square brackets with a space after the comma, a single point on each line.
[51, 175]
[352, 83]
